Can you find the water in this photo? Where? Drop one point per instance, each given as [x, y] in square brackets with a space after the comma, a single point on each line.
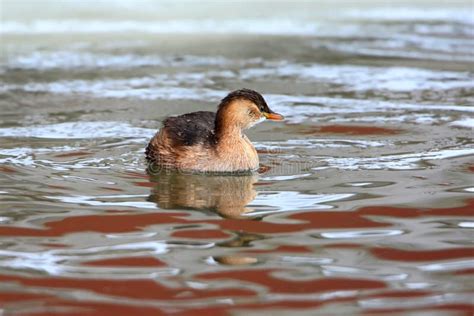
[364, 201]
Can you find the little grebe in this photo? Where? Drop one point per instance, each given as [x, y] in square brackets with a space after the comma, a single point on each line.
[212, 142]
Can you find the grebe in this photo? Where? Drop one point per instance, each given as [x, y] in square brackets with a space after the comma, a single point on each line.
[212, 142]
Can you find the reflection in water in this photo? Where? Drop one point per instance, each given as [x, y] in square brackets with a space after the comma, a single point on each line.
[232, 260]
[226, 195]
[242, 239]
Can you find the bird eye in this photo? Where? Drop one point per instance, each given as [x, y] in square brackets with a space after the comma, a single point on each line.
[254, 113]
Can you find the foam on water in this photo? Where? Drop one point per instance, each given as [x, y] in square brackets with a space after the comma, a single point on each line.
[395, 162]
[357, 78]
[367, 78]
[281, 25]
[188, 26]
[404, 14]
[467, 122]
[64, 59]
[362, 234]
[79, 130]
[385, 50]
[152, 88]
[284, 201]
[104, 201]
[53, 262]
[319, 143]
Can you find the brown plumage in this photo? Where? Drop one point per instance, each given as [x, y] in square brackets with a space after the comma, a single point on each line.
[212, 142]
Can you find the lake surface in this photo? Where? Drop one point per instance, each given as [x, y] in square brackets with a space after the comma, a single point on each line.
[364, 204]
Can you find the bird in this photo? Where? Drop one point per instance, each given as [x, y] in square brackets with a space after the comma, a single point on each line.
[211, 142]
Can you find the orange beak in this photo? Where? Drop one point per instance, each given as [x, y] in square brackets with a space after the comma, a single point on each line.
[273, 116]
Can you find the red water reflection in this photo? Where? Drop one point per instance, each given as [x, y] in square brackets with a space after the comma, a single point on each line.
[54, 245]
[200, 234]
[145, 184]
[351, 130]
[307, 221]
[284, 249]
[452, 309]
[18, 296]
[116, 223]
[464, 271]
[61, 306]
[422, 255]
[58, 306]
[97, 223]
[130, 288]
[399, 294]
[262, 307]
[136, 175]
[465, 210]
[278, 285]
[7, 169]
[343, 245]
[74, 154]
[135, 222]
[127, 262]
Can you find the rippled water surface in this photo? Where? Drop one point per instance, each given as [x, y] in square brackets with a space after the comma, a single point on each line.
[364, 202]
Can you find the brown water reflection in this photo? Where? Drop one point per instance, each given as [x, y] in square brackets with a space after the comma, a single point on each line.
[228, 196]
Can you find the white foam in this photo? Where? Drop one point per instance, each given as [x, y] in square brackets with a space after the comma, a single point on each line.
[180, 26]
[284, 178]
[152, 88]
[448, 266]
[396, 162]
[25, 155]
[467, 122]
[406, 14]
[79, 130]
[65, 59]
[268, 202]
[367, 77]
[320, 143]
[362, 234]
[419, 302]
[146, 88]
[271, 23]
[53, 261]
[105, 201]
[384, 49]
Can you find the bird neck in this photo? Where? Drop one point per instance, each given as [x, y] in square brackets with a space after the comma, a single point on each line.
[227, 129]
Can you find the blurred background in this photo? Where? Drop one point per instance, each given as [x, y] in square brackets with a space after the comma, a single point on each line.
[365, 203]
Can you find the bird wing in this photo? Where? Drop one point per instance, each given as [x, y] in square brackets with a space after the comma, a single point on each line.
[191, 128]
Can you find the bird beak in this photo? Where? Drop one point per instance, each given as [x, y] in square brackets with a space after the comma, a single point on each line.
[273, 116]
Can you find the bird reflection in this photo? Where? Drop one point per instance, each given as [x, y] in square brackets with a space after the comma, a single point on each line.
[226, 195]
